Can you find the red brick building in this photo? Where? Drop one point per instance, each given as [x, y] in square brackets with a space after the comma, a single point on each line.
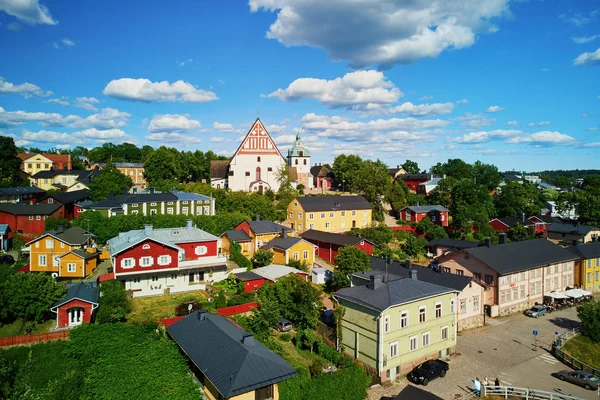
[26, 219]
[437, 214]
[78, 306]
[328, 244]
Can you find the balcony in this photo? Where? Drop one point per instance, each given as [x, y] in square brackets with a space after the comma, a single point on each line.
[203, 262]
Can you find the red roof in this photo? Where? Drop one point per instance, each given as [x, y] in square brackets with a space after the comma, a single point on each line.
[170, 321]
[55, 158]
[26, 268]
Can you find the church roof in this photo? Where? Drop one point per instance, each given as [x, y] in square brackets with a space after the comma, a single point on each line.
[218, 169]
[297, 148]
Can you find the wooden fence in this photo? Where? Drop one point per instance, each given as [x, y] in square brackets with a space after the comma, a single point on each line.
[242, 308]
[26, 339]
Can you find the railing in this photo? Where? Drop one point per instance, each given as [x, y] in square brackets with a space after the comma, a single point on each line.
[509, 392]
[26, 339]
[568, 359]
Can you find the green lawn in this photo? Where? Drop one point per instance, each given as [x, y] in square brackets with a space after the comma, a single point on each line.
[152, 308]
[584, 350]
[17, 328]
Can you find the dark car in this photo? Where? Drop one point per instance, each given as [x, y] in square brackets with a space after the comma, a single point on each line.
[428, 371]
[284, 325]
[536, 311]
[7, 259]
[581, 378]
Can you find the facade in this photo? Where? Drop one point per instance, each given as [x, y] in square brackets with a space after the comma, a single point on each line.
[158, 261]
[256, 234]
[78, 306]
[322, 177]
[395, 172]
[133, 170]
[30, 194]
[328, 244]
[426, 187]
[64, 180]
[445, 246]
[394, 326]
[228, 362]
[254, 165]
[5, 237]
[34, 163]
[518, 274]
[587, 267]
[328, 213]
[270, 274]
[251, 281]
[437, 214]
[299, 158]
[68, 200]
[27, 219]
[414, 180]
[291, 248]
[541, 223]
[566, 234]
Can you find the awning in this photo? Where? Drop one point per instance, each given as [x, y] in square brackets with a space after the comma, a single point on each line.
[577, 293]
[557, 295]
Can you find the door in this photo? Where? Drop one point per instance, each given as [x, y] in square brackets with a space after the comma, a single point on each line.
[191, 277]
[75, 316]
[265, 393]
[354, 224]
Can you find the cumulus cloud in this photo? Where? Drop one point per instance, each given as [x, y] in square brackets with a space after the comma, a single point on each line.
[588, 58]
[512, 123]
[486, 136]
[145, 90]
[216, 139]
[14, 26]
[221, 127]
[585, 39]
[68, 42]
[494, 109]
[408, 108]
[593, 144]
[476, 121]
[544, 138]
[30, 11]
[87, 103]
[273, 128]
[542, 123]
[580, 19]
[104, 134]
[106, 119]
[171, 138]
[382, 32]
[26, 89]
[173, 123]
[13, 118]
[359, 87]
[44, 136]
[592, 129]
[63, 101]
[425, 98]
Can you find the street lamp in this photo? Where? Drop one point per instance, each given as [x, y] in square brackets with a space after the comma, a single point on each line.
[343, 185]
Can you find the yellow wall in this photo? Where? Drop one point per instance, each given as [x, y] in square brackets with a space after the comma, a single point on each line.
[38, 248]
[590, 268]
[31, 165]
[77, 186]
[68, 259]
[226, 246]
[327, 221]
[284, 256]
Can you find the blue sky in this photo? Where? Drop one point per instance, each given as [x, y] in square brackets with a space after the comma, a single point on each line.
[516, 84]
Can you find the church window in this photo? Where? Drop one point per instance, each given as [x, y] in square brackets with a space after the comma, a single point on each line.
[247, 173]
[296, 162]
[270, 169]
[305, 162]
[258, 159]
[258, 173]
[301, 153]
[230, 173]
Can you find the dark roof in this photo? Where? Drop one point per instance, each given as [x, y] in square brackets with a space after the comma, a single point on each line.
[85, 291]
[512, 221]
[320, 171]
[521, 256]
[237, 236]
[29, 209]
[82, 253]
[77, 236]
[453, 243]
[333, 238]
[70, 197]
[416, 177]
[218, 169]
[393, 293]
[329, 203]
[426, 209]
[117, 201]
[216, 347]
[546, 218]
[585, 250]
[261, 227]
[247, 276]
[572, 229]
[20, 190]
[51, 173]
[394, 171]
[281, 243]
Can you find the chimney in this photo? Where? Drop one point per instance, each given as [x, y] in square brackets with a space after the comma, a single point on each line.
[173, 189]
[417, 204]
[487, 241]
[376, 281]
[188, 224]
[282, 233]
[575, 242]
[151, 190]
[413, 274]
[408, 264]
[502, 238]
[257, 217]
[148, 229]
[397, 166]
[248, 339]
[201, 314]
[61, 228]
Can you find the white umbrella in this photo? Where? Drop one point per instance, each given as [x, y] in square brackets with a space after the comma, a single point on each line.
[557, 295]
[577, 293]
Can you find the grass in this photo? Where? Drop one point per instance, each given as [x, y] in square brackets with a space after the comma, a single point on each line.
[17, 328]
[584, 350]
[301, 358]
[152, 308]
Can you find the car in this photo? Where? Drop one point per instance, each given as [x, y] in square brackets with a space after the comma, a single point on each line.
[7, 259]
[536, 311]
[581, 378]
[284, 325]
[428, 371]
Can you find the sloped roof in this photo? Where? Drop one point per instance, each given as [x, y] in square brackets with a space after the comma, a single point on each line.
[333, 238]
[84, 291]
[55, 158]
[237, 236]
[275, 271]
[218, 169]
[454, 243]
[285, 243]
[51, 173]
[521, 256]
[70, 197]
[29, 209]
[332, 203]
[432, 181]
[74, 236]
[319, 170]
[247, 276]
[426, 209]
[216, 347]
[416, 177]
[512, 221]
[20, 190]
[572, 229]
[190, 196]
[261, 227]
[585, 250]
[4, 229]
[81, 253]
[119, 200]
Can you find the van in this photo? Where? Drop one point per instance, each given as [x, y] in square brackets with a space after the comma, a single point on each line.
[284, 325]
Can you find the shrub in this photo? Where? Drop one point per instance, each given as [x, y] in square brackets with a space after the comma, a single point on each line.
[286, 337]
[316, 368]
[220, 300]
[589, 314]
[350, 383]
[240, 299]
[183, 308]
[114, 303]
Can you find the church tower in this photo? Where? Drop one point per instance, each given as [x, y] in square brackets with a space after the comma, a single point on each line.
[299, 158]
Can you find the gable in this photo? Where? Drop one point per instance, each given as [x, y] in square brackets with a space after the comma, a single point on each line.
[258, 142]
[38, 158]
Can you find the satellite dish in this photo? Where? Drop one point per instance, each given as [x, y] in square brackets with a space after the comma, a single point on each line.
[190, 306]
[54, 275]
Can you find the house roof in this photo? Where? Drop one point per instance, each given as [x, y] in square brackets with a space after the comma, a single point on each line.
[431, 182]
[319, 171]
[275, 271]
[426, 209]
[247, 276]
[329, 203]
[585, 250]
[70, 197]
[261, 227]
[84, 291]
[237, 236]
[81, 253]
[20, 190]
[416, 177]
[453, 243]
[29, 209]
[217, 348]
[572, 229]
[218, 169]
[74, 236]
[333, 238]
[545, 218]
[394, 171]
[55, 158]
[512, 221]
[393, 293]
[285, 243]
[4, 229]
[520, 256]
[51, 173]
[189, 196]
[122, 165]
[119, 200]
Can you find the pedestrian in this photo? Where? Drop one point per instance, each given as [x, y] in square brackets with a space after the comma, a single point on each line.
[497, 382]
[486, 381]
[477, 386]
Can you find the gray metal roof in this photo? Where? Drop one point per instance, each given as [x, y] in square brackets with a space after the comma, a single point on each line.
[85, 291]
[572, 229]
[262, 227]
[29, 209]
[333, 238]
[247, 276]
[585, 250]
[281, 243]
[76, 236]
[189, 196]
[4, 228]
[237, 236]
[426, 209]
[275, 271]
[82, 253]
[216, 347]
[117, 201]
[21, 190]
[332, 203]
[70, 197]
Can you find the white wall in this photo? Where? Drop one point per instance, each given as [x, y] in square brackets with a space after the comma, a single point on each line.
[243, 163]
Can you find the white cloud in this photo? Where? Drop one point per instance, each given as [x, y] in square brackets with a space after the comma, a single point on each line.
[585, 39]
[62, 146]
[486, 136]
[273, 128]
[425, 98]
[585, 115]
[380, 32]
[44, 136]
[106, 119]
[580, 19]
[106, 134]
[476, 121]
[63, 101]
[408, 108]
[78, 138]
[145, 90]
[68, 42]
[592, 129]
[26, 89]
[588, 58]
[542, 123]
[512, 123]
[593, 144]
[172, 123]
[216, 139]
[87, 103]
[544, 138]
[12, 118]
[494, 109]
[171, 138]
[284, 139]
[29, 11]
[14, 26]
[359, 87]
[221, 127]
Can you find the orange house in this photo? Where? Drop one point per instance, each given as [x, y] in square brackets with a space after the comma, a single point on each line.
[77, 263]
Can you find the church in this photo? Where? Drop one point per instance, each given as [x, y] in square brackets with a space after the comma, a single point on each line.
[254, 165]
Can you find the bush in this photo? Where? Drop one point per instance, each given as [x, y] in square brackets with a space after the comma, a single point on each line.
[286, 337]
[220, 300]
[240, 299]
[589, 314]
[114, 303]
[316, 368]
[183, 308]
[349, 383]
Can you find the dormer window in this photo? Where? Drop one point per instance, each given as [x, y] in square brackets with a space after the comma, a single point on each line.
[146, 247]
[134, 205]
[176, 233]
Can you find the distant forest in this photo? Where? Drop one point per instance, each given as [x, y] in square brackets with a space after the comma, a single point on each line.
[557, 177]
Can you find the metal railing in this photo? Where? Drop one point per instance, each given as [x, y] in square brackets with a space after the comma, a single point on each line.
[568, 359]
[509, 392]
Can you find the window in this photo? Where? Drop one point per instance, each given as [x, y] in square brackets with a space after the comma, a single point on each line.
[155, 278]
[300, 226]
[153, 211]
[445, 333]
[438, 310]
[312, 226]
[299, 215]
[589, 277]
[523, 290]
[37, 244]
[71, 267]
[413, 343]
[134, 212]
[343, 213]
[460, 272]
[146, 247]
[515, 293]
[270, 169]
[296, 162]
[201, 250]
[146, 261]
[364, 222]
[62, 245]
[50, 244]
[42, 260]
[353, 213]
[170, 210]
[393, 349]
[475, 303]
[134, 205]
[127, 263]
[291, 214]
[322, 215]
[311, 216]
[258, 243]
[169, 203]
[164, 260]
[425, 339]
[51, 201]
[466, 256]
[305, 255]
[463, 306]
[489, 279]
[38, 218]
[422, 314]
[330, 215]
[184, 210]
[31, 217]
[451, 306]
[295, 255]
[477, 275]
[502, 296]
[386, 324]
[403, 319]
[230, 173]
[447, 270]
[326, 224]
[247, 173]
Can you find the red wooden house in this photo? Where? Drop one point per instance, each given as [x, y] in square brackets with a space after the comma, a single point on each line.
[68, 200]
[504, 224]
[437, 214]
[78, 306]
[322, 176]
[542, 223]
[28, 219]
[251, 281]
[328, 244]
[414, 180]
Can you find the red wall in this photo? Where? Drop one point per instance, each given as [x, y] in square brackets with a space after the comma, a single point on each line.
[156, 249]
[328, 251]
[22, 223]
[251, 286]
[63, 316]
[68, 212]
[244, 226]
[498, 226]
[319, 181]
[242, 308]
[417, 217]
[190, 249]
[77, 210]
[412, 184]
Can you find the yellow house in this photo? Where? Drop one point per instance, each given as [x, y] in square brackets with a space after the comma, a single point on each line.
[45, 251]
[240, 237]
[328, 213]
[291, 248]
[587, 268]
[252, 235]
[34, 163]
[77, 263]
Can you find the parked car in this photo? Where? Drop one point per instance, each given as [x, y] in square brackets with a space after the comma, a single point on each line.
[284, 325]
[581, 378]
[428, 371]
[536, 311]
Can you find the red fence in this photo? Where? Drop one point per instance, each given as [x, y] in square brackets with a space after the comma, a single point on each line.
[106, 277]
[25, 339]
[406, 228]
[242, 308]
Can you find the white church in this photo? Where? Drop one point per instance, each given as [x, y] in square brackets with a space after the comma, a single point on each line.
[254, 165]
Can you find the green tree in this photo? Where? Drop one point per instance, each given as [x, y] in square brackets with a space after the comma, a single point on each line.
[110, 180]
[262, 258]
[163, 167]
[378, 234]
[237, 257]
[114, 303]
[471, 205]
[455, 168]
[265, 316]
[415, 246]
[430, 230]
[53, 223]
[32, 295]
[442, 194]
[564, 182]
[372, 181]
[411, 167]
[397, 196]
[344, 170]
[549, 194]
[516, 199]
[589, 314]
[518, 233]
[10, 165]
[301, 265]
[349, 260]
[486, 175]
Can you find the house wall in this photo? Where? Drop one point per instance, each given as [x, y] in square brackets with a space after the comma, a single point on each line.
[328, 251]
[568, 238]
[251, 286]
[471, 316]
[359, 333]
[242, 163]
[498, 226]
[212, 249]
[470, 266]
[22, 223]
[135, 173]
[296, 252]
[36, 164]
[63, 316]
[412, 184]
[588, 271]
[55, 249]
[159, 282]
[84, 267]
[137, 252]
[327, 221]
[320, 182]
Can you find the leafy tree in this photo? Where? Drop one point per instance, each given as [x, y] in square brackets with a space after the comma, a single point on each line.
[442, 194]
[220, 300]
[237, 257]
[379, 234]
[265, 316]
[471, 205]
[411, 167]
[564, 182]
[262, 258]
[110, 180]
[10, 165]
[299, 301]
[114, 303]
[486, 175]
[586, 203]
[518, 233]
[349, 260]
[517, 199]
[485, 231]
[30, 296]
[549, 195]
[371, 180]
[430, 230]
[455, 168]
[6, 274]
[589, 314]
[163, 167]
[397, 196]
[53, 223]
[415, 246]
[344, 170]
[301, 265]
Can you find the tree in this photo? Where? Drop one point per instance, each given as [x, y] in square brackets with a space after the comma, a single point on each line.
[589, 314]
[518, 233]
[430, 230]
[349, 260]
[442, 194]
[265, 316]
[517, 199]
[486, 175]
[114, 303]
[10, 165]
[371, 180]
[378, 234]
[262, 258]
[53, 223]
[564, 182]
[237, 257]
[110, 180]
[344, 170]
[471, 205]
[455, 168]
[415, 246]
[397, 196]
[162, 167]
[32, 295]
[411, 167]
[301, 265]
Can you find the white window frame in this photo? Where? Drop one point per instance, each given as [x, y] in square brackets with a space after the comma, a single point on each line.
[424, 309]
[312, 226]
[438, 307]
[393, 349]
[386, 324]
[38, 218]
[42, 260]
[331, 214]
[327, 225]
[170, 210]
[322, 215]
[305, 255]
[444, 332]
[413, 343]
[71, 267]
[452, 305]
[201, 250]
[184, 210]
[425, 339]
[299, 215]
[296, 255]
[291, 215]
[49, 243]
[353, 213]
[311, 216]
[124, 263]
[146, 247]
[343, 213]
[164, 259]
[404, 317]
[144, 263]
